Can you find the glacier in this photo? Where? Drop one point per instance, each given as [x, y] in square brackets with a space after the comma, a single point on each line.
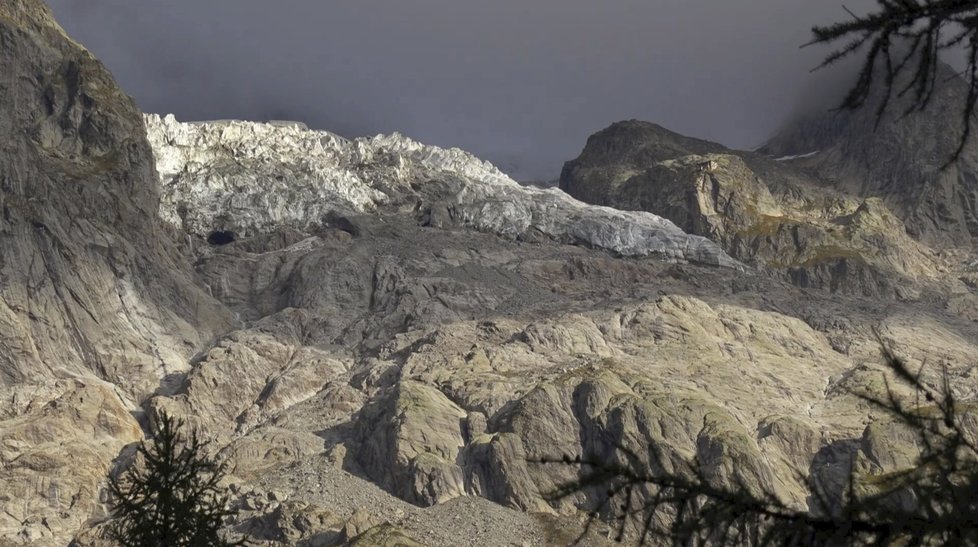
[251, 178]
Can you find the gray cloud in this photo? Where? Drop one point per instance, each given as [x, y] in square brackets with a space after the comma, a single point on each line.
[519, 82]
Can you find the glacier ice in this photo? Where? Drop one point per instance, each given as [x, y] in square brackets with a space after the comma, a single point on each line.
[250, 178]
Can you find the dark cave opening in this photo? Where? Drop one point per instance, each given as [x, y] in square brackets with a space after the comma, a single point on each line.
[221, 237]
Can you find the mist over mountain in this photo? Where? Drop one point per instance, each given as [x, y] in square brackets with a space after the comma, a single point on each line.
[520, 84]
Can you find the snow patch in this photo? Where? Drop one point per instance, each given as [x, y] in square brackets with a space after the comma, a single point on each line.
[797, 156]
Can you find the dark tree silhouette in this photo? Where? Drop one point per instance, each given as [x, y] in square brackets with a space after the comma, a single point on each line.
[172, 497]
[902, 41]
[935, 502]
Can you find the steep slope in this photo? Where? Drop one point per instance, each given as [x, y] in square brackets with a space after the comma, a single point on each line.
[902, 159]
[435, 358]
[410, 327]
[435, 364]
[95, 307]
[77, 173]
[762, 211]
[621, 150]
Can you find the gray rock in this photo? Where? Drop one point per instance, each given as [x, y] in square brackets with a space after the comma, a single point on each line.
[762, 212]
[901, 159]
[96, 305]
[397, 322]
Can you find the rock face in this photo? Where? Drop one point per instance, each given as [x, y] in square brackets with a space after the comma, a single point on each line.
[382, 336]
[95, 305]
[78, 189]
[762, 211]
[903, 159]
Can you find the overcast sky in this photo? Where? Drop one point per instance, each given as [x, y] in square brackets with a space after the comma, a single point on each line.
[521, 83]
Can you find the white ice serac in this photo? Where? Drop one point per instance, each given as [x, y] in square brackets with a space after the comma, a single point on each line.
[251, 178]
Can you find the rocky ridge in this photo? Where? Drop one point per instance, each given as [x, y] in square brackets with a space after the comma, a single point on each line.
[765, 211]
[95, 305]
[903, 159]
[388, 333]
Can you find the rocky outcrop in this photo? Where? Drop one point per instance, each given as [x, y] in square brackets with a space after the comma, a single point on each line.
[272, 373]
[410, 442]
[903, 159]
[621, 151]
[749, 417]
[78, 188]
[54, 457]
[95, 304]
[384, 339]
[761, 211]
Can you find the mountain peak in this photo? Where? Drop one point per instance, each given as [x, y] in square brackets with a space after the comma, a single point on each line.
[627, 146]
[901, 157]
[657, 142]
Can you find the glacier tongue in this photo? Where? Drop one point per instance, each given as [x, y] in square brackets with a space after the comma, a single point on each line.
[251, 178]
